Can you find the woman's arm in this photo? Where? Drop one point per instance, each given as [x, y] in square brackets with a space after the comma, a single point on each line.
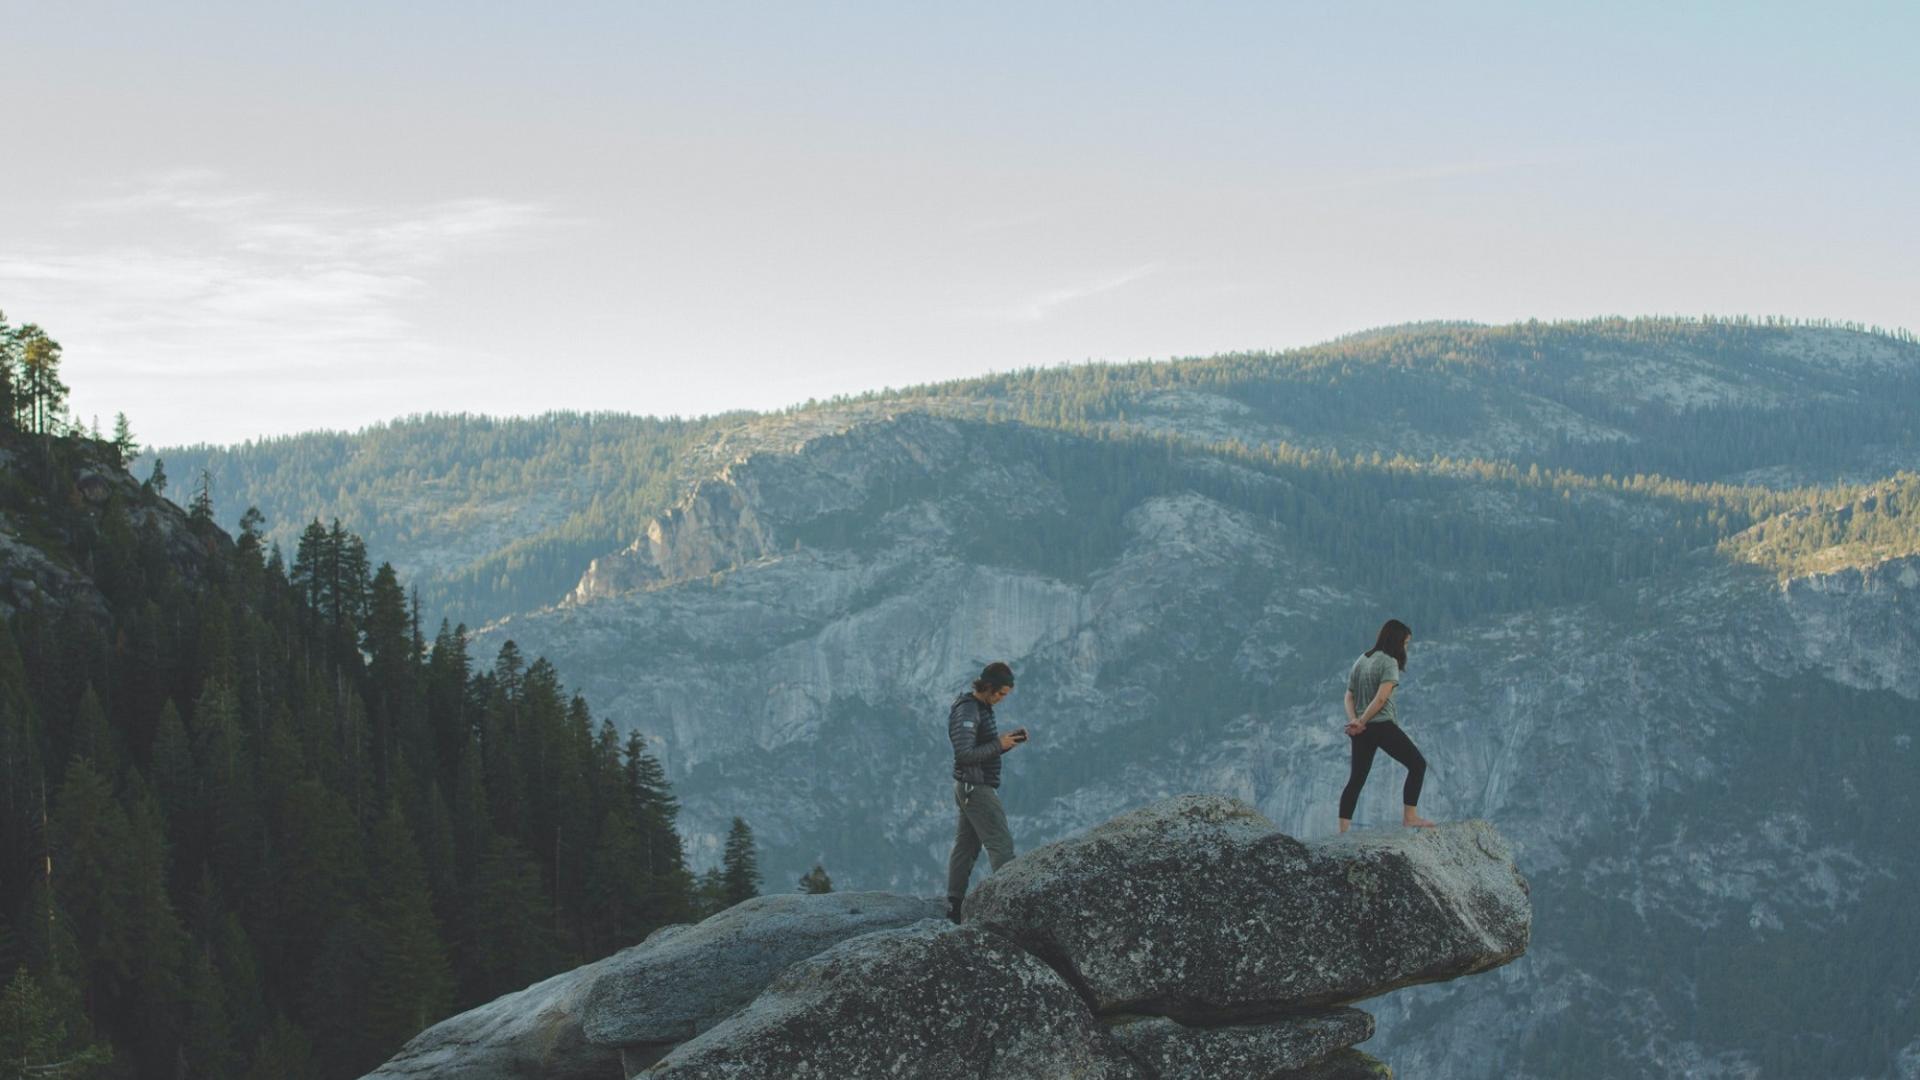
[1379, 702]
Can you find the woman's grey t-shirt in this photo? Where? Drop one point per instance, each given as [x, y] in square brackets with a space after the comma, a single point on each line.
[1364, 681]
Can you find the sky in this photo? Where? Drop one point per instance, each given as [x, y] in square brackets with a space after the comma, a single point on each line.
[249, 219]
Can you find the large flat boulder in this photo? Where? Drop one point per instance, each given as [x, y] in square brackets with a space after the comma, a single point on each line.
[1197, 908]
[1270, 1050]
[531, 1034]
[933, 1001]
[693, 980]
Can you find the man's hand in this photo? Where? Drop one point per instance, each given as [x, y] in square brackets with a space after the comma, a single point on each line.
[1355, 727]
[1012, 739]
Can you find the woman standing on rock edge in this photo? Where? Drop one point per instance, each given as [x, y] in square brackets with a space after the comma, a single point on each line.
[1374, 678]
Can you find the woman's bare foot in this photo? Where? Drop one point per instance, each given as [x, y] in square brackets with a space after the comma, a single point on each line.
[1344, 822]
[1414, 821]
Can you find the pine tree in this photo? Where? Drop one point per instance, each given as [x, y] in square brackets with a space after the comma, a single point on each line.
[411, 985]
[36, 1038]
[390, 673]
[225, 768]
[45, 395]
[206, 1037]
[283, 1053]
[669, 896]
[449, 671]
[176, 781]
[511, 944]
[157, 942]
[337, 1009]
[94, 738]
[240, 978]
[9, 378]
[200, 510]
[125, 446]
[50, 949]
[320, 869]
[741, 866]
[816, 881]
[617, 885]
[710, 896]
[22, 771]
[90, 875]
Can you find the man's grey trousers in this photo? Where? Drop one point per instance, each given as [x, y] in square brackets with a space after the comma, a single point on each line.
[982, 823]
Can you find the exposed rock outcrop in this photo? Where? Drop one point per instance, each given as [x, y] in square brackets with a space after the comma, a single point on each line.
[1185, 940]
[934, 1001]
[533, 1033]
[1197, 908]
[681, 984]
[61, 492]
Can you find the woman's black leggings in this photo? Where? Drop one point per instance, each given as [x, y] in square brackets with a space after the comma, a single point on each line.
[1385, 735]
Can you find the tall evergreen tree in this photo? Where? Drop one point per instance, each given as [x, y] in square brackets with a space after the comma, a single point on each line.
[38, 1039]
[617, 885]
[45, 396]
[206, 1036]
[321, 868]
[412, 985]
[200, 510]
[669, 895]
[90, 875]
[93, 737]
[157, 945]
[740, 864]
[9, 378]
[511, 942]
[390, 675]
[710, 895]
[125, 446]
[284, 1052]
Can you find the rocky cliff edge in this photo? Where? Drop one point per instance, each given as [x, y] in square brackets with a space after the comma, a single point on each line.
[1186, 939]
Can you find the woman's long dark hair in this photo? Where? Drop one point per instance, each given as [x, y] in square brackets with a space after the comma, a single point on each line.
[1393, 641]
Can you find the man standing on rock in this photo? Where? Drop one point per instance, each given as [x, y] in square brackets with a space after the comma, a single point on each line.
[977, 746]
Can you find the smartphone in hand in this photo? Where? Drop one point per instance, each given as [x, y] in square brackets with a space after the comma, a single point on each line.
[1019, 734]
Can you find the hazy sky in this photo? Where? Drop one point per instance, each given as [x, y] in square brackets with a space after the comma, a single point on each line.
[264, 217]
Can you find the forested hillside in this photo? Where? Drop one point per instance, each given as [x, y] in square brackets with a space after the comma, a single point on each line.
[256, 820]
[487, 516]
[492, 517]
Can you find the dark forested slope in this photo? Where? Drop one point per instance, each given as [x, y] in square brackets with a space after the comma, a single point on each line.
[253, 820]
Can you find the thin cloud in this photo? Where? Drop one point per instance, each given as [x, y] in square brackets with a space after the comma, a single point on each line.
[1042, 305]
[218, 278]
